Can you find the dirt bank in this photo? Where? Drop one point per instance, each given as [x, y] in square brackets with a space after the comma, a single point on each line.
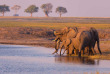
[37, 36]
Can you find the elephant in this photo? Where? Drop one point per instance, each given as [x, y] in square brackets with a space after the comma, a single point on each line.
[62, 34]
[80, 42]
[66, 33]
[95, 37]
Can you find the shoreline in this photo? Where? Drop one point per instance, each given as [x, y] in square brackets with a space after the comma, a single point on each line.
[42, 42]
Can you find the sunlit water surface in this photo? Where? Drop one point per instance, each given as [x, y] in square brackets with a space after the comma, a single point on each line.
[16, 59]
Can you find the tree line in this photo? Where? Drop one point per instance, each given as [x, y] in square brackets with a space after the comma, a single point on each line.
[47, 8]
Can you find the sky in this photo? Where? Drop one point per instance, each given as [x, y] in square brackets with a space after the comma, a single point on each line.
[75, 8]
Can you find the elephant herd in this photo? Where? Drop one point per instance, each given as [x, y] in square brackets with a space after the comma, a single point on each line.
[76, 42]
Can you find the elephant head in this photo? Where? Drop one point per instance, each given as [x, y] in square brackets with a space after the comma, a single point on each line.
[62, 31]
[63, 34]
[70, 32]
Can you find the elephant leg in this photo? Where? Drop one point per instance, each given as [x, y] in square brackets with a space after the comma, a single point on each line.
[80, 48]
[83, 51]
[79, 54]
[66, 48]
[87, 50]
[94, 46]
[71, 48]
[64, 51]
[91, 51]
[75, 51]
[94, 52]
[62, 47]
[67, 52]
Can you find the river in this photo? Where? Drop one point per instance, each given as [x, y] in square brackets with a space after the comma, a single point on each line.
[19, 59]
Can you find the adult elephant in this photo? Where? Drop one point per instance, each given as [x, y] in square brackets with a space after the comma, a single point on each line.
[67, 33]
[95, 38]
[63, 34]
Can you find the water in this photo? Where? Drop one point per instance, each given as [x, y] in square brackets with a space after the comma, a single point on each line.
[16, 59]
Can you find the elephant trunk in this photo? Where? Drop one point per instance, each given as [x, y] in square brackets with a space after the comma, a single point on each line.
[55, 51]
[57, 43]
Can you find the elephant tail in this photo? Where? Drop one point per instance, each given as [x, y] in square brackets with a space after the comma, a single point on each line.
[98, 46]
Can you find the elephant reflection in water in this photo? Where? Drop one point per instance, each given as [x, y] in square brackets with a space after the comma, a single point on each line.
[76, 60]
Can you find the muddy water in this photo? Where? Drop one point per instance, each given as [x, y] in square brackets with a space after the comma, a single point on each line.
[16, 59]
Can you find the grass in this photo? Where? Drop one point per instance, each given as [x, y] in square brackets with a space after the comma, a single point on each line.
[96, 56]
[100, 57]
[55, 22]
[50, 25]
[105, 41]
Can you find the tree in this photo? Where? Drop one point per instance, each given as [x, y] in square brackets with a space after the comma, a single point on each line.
[47, 8]
[32, 9]
[61, 10]
[4, 8]
[16, 8]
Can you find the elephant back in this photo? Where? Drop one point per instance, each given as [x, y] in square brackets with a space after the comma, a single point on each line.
[84, 35]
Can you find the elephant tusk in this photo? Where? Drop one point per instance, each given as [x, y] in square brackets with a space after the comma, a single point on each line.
[53, 40]
[56, 33]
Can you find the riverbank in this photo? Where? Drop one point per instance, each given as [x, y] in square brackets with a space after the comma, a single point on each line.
[44, 37]
[31, 42]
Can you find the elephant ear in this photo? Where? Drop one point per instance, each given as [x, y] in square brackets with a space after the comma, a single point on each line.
[62, 31]
[65, 30]
[76, 31]
[72, 32]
